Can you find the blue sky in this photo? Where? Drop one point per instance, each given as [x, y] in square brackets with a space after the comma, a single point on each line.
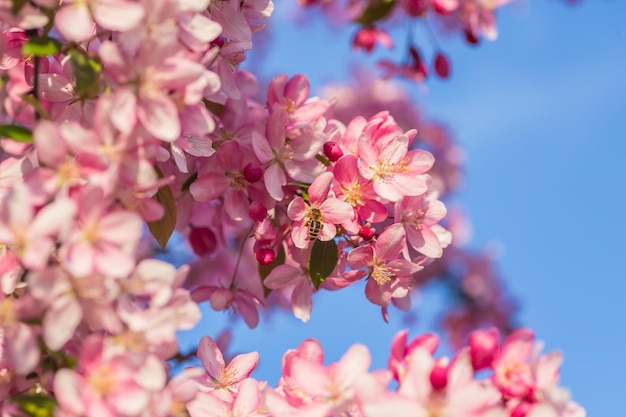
[541, 114]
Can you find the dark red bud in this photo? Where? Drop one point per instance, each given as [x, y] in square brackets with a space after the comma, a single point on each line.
[471, 37]
[265, 256]
[416, 8]
[364, 39]
[332, 151]
[439, 375]
[366, 232]
[257, 211]
[252, 173]
[203, 241]
[442, 66]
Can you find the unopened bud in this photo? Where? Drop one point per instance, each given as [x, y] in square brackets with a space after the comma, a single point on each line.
[332, 151]
[471, 37]
[442, 66]
[366, 233]
[257, 211]
[203, 241]
[252, 173]
[439, 374]
[265, 256]
[483, 345]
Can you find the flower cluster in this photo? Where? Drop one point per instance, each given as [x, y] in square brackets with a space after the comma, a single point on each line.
[121, 117]
[474, 19]
[519, 382]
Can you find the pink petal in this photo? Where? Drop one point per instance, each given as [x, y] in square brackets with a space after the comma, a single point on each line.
[211, 357]
[336, 211]
[248, 398]
[355, 362]
[275, 179]
[296, 209]
[282, 276]
[390, 242]
[518, 346]
[242, 366]
[61, 320]
[301, 300]
[159, 116]
[68, 387]
[361, 257]
[320, 187]
[118, 15]
[209, 186]
[425, 242]
[55, 88]
[74, 22]
[310, 377]
[297, 89]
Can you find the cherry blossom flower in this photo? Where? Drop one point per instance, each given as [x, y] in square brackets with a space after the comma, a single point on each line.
[317, 219]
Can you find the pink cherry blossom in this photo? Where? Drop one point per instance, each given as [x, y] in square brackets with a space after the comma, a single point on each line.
[321, 212]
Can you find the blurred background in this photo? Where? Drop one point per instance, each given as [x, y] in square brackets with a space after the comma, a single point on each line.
[540, 114]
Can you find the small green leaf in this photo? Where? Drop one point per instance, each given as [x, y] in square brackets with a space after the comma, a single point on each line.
[376, 10]
[41, 46]
[163, 228]
[264, 270]
[323, 260]
[87, 72]
[17, 133]
[35, 405]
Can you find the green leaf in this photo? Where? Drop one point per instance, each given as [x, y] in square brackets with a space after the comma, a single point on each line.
[35, 405]
[41, 46]
[17, 133]
[264, 270]
[323, 260]
[163, 228]
[376, 10]
[87, 72]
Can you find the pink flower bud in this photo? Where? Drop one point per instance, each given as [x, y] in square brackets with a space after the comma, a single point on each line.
[252, 173]
[439, 374]
[332, 151]
[442, 66]
[483, 347]
[364, 39]
[203, 241]
[416, 8]
[366, 233]
[257, 211]
[265, 256]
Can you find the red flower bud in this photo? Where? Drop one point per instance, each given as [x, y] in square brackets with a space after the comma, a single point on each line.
[439, 374]
[265, 256]
[332, 151]
[203, 241]
[367, 233]
[252, 173]
[442, 65]
[257, 211]
[471, 37]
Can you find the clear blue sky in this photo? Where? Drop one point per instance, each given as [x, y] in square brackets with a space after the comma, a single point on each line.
[541, 114]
